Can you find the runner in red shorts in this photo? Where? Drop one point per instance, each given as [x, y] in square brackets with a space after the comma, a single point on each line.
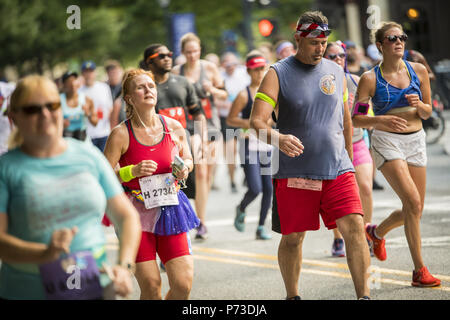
[313, 175]
[146, 146]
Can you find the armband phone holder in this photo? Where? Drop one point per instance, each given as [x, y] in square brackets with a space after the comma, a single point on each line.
[361, 109]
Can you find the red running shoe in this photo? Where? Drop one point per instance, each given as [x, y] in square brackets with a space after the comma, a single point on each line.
[379, 248]
[423, 278]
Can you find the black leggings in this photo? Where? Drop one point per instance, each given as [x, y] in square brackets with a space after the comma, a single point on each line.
[257, 183]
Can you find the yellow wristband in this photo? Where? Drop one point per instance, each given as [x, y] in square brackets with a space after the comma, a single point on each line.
[125, 173]
[346, 95]
[266, 98]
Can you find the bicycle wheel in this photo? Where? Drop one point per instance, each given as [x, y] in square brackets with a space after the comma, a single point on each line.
[436, 131]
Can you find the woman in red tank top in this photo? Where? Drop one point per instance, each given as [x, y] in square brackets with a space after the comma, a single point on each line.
[144, 146]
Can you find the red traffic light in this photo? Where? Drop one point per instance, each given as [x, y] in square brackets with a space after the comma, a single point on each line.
[265, 27]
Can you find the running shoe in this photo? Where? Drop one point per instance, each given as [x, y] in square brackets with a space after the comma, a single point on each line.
[202, 232]
[378, 245]
[239, 220]
[262, 234]
[162, 267]
[423, 278]
[233, 188]
[377, 186]
[294, 298]
[338, 248]
[364, 298]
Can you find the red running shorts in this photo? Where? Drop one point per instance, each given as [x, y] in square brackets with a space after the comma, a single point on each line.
[299, 209]
[167, 247]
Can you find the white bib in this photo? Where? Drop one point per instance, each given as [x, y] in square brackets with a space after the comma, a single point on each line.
[159, 190]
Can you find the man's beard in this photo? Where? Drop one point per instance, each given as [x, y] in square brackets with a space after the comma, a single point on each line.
[351, 58]
[162, 71]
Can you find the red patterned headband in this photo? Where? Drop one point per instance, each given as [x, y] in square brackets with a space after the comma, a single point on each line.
[313, 30]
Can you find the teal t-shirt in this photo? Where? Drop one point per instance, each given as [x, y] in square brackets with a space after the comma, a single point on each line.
[43, 195]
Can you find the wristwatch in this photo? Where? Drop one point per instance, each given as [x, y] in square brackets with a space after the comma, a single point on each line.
[129, 266]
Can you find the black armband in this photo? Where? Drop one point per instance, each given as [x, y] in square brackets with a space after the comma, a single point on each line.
[195, 110]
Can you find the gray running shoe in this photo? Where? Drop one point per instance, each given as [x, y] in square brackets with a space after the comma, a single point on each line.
[239, 220]
[202, 232]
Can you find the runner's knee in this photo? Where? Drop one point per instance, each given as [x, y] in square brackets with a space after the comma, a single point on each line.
[294, 239]
[413, 206]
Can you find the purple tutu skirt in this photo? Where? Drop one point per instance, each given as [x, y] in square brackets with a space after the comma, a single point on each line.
[177, 219]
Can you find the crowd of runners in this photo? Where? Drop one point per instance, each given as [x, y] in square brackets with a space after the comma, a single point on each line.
[143, 143]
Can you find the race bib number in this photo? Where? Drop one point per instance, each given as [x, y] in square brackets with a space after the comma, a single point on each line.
[305, 184]
[176, 113]
[159, 190]
[74, 277]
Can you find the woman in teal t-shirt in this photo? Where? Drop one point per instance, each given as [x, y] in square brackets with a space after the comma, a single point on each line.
[53, 193]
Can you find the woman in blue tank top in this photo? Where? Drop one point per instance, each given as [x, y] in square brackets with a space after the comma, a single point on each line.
[400, 94]
[252, 163]
[77, 108]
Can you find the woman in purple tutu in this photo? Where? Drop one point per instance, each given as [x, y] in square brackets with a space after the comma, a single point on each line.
[146, 150]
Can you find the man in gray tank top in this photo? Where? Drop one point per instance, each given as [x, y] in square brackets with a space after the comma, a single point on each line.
[315, 175]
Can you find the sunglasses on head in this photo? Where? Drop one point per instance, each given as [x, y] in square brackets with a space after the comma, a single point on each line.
[161, 55]
[402, 38]
[334, 56]
[37, 108]
[317, 32]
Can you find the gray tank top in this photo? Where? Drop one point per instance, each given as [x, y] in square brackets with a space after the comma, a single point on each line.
[311, 107]
[358, 133]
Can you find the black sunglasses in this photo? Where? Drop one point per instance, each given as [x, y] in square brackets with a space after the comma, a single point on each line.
[160, 55]
[37, 108]
[334, 56]
[402, 38]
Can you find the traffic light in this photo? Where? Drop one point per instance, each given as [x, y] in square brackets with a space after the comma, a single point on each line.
[267, 27]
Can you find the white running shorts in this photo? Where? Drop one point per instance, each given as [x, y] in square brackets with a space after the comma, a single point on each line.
[392, 146]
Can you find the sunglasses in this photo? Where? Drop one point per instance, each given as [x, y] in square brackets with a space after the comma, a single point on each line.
[402, 38]
[317, 32]
[37, 108]
[334, 56]
[160, 55]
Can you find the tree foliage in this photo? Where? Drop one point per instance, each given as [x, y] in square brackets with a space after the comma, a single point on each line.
[34, 36]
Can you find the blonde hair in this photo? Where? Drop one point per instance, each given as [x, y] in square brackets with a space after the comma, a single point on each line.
[188, 37]
[378, 34]
[25, 88]
[126, 81]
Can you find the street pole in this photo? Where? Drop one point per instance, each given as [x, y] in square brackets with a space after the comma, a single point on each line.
[247, 12]
[164, 4]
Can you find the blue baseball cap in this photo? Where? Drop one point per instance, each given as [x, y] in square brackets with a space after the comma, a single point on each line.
[88, 65]
[349, 44]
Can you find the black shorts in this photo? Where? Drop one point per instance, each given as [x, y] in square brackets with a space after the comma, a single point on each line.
[224, 127]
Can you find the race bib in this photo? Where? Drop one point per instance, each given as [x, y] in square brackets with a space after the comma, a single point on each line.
[305, 184]
[206, 105]
[176, 113]
[159, 190]
[74, 277]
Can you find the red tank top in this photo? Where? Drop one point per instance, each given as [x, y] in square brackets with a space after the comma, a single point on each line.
[162, 153]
